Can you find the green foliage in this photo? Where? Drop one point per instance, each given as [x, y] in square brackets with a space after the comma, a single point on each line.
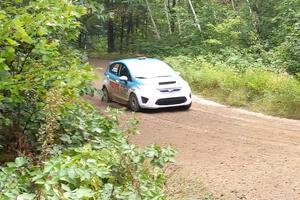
[13, 179]
[107, 167]
[224, 35]
[36, 56]
[255, 88]
[65, 148]
[288, 34]
[119, 172]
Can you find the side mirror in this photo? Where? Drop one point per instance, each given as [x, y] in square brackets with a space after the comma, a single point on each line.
[124, 78]
[178, 73]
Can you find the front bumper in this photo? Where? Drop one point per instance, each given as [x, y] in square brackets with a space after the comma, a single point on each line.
[164, 100]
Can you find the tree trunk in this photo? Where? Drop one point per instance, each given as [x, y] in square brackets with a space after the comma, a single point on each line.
[129, 29]
[178, 23]
[137, 24]
[254, 17]
[233, 5]
[157, 34]
[167, 16]
[249, 6]
[110, 36]
[146, 27]
[122, 33]
[195, 16]
[173, 15]
[212, 9]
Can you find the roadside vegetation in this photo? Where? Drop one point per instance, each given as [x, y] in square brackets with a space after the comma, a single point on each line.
[53, 144]
[255, 88]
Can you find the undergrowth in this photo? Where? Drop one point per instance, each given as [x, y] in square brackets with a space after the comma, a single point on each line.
[254, 87]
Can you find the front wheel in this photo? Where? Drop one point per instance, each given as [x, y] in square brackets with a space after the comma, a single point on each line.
[134, 103]
[105, 97]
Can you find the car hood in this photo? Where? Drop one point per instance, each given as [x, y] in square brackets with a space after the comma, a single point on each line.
[162, 82]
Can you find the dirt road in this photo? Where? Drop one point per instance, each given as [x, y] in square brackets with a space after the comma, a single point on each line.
[236, 154]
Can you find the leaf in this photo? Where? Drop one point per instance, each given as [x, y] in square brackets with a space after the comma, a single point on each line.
[107, 190]
[11, 41]
[42, 31]
[3, 66]
[84, 193]
[20, 161]
[66, 138]
[9, 53]
[65, 187]
[26, 196]
[19, 32]
[2, 15]
[97, 130]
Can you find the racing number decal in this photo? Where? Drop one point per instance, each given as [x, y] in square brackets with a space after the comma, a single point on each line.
[124, 89]
[114, 85]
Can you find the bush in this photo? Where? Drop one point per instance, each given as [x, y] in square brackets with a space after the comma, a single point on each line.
[65, 148]
[107, 167]
[254, 87]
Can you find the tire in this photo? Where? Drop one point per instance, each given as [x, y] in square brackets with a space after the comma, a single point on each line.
[105, 97]
[187, 107]
[134, 103]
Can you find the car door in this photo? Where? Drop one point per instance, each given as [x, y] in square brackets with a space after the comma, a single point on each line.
[113, 79]
[124, 85]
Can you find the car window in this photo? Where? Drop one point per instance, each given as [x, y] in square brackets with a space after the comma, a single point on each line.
[124, 72]
[114, 69]
[150, 69]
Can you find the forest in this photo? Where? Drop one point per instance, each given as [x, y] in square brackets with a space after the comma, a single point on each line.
[55, 145]
[243, 53]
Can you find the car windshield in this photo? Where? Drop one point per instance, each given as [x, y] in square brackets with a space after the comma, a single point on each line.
[152, 69]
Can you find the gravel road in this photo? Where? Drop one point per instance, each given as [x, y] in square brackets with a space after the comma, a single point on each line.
[235, 153]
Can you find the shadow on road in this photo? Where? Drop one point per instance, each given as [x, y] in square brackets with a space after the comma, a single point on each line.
[147, 111]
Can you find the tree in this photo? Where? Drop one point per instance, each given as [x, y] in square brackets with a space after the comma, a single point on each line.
[36, 56]
[195, 16]
[156, 31]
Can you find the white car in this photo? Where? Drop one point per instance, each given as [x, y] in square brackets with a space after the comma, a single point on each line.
[145, 83]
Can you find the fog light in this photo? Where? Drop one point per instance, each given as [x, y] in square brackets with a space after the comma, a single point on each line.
[144, 100]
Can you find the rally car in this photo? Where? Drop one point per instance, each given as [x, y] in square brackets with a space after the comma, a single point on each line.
[145, 83]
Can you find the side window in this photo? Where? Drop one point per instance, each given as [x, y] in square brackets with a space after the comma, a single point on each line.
[124, 72]
[114, 68]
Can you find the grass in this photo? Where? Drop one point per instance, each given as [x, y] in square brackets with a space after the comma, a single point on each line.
[254, 88]
[182, 188]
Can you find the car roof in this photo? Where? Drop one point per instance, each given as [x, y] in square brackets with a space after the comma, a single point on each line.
[130, 61]
[147, 67]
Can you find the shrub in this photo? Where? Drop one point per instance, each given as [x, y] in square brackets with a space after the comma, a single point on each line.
[107, 167]
[65, 148]
[254, 87]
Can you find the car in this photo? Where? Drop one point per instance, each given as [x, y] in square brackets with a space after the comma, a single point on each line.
[145, 83]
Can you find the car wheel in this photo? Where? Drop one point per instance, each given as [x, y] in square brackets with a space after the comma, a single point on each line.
[134, 103]
[187, 107]
[105, 97]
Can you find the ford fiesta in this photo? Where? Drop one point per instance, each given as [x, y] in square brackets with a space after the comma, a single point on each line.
[145, 83]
